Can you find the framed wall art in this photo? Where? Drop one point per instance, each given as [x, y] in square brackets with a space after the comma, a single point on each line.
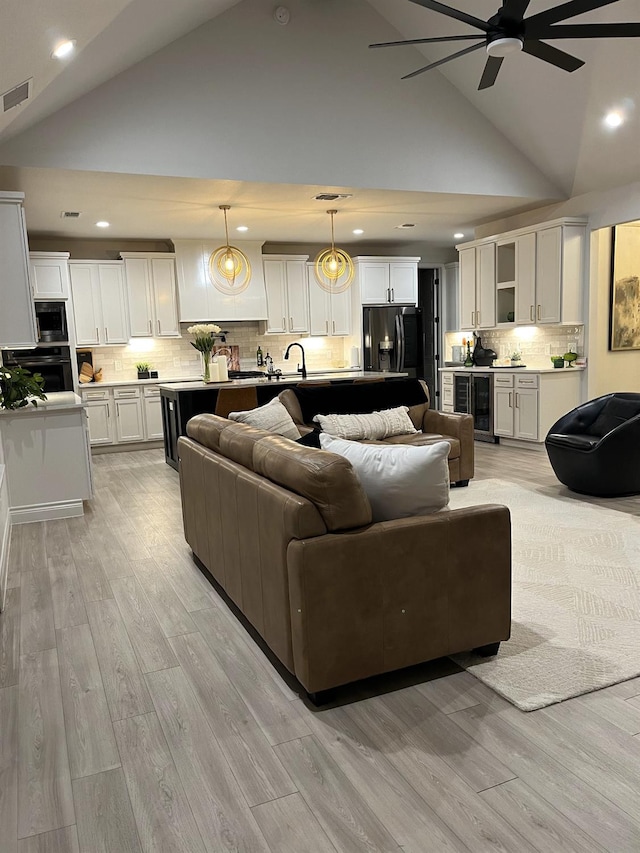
[624, 317]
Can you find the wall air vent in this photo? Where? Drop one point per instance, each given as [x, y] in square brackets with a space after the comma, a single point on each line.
[332, 196]
[406, 225]
[16, 96]
[70, 214]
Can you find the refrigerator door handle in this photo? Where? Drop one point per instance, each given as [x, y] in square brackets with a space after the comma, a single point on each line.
[401, 342]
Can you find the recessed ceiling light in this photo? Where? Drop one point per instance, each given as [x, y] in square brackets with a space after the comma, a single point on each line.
[242, 228]
[64, 49]
[614, 118]
[458, 235]
[102, 224]
[358, 231]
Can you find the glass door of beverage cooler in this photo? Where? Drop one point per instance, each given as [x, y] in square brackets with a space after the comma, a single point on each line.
[482, 406]
[462, 393]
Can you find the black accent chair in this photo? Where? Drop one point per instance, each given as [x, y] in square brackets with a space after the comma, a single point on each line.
[595, 449]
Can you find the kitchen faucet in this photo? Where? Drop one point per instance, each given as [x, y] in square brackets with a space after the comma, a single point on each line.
[303, 369]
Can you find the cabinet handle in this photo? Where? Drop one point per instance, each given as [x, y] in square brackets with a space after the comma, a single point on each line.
[291, 324]
[531, 313]
[108, 412]
[517, 403]
[326, 322]
[473, 315]
[539, 309]
[106, 334]
[159, 328]
[477, 318]
[97, 335]
[510, 400]
[393, 294]
[150, 328]
[334, 327]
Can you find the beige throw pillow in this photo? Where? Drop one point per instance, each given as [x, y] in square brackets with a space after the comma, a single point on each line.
[272, 417]
[400, 480]
[374, 426]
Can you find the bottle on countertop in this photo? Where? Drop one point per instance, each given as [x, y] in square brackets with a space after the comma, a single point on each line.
[468, 362]
[259, 358]
[268, 363]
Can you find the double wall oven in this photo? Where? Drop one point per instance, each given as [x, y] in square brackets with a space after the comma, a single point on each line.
[52, 357]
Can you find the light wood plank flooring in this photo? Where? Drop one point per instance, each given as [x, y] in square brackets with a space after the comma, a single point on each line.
[137, 714]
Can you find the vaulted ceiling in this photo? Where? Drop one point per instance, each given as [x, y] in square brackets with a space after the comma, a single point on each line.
[215, 93]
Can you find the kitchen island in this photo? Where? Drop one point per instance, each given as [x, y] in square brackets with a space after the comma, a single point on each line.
[47, 459]
[182, 400]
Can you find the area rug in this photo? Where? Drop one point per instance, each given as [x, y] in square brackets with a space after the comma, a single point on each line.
[576, 596]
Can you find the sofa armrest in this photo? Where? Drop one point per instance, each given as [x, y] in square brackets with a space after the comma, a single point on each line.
[457, 426]
[398, 593]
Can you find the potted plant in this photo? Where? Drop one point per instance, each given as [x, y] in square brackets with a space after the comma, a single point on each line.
[516, 358]
[143, 370]
[18, 388]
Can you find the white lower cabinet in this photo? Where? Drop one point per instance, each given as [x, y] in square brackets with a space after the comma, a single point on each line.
[123, 415]
[516, 407]
[152, 414]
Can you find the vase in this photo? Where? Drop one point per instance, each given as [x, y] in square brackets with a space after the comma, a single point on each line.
[206, 366]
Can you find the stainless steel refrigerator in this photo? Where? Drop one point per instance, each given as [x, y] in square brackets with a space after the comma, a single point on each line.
[393, 339]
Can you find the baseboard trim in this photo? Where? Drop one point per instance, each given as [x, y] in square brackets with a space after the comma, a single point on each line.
[98, 449]
[536, 446]
[46, 512]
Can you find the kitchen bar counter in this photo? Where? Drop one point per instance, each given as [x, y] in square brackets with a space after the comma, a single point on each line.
[182, 400]
[58, 400]
[509, 369]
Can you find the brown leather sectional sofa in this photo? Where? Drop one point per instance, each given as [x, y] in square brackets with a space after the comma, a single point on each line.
[286, 531]
[303, 403]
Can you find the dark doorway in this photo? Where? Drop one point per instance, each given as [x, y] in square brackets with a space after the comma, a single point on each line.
[429, 302]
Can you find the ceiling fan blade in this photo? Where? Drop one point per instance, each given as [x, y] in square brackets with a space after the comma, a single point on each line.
[453, 13]
[490, 72]
[514, 9]
[585, 31]
[442, 61]
[426, 41]
[552, 55]
[566, 10]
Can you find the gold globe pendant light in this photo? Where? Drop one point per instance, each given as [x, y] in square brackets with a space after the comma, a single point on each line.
[334, 267]
[229, 267]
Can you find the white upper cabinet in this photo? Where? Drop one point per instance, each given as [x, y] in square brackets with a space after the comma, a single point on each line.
[329, 313]
[525, 283]
[285, 280]
[17, 315]
[387, 280]
[49, 273]
[200, 300]
[151, 294]
[478, 287]
[99, 303]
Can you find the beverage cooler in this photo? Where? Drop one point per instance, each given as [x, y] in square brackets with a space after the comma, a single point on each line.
[473, 394]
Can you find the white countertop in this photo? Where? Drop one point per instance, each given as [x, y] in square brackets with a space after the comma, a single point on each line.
[55, 401]
[313, 374]
[285, 379]
[462, 369]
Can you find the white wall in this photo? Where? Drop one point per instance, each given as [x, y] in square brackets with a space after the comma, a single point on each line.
[244, 98]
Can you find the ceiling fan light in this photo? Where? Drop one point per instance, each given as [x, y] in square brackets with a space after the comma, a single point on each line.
[504, 46]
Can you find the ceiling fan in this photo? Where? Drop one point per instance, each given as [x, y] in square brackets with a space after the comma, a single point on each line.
[509, 31]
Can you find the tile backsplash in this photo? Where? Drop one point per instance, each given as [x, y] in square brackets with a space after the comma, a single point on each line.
[176, 358]
[535, 343]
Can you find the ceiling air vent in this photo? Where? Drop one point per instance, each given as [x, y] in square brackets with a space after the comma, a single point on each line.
[406, 225]
[70, 214]
[15, 97]
[332, 196]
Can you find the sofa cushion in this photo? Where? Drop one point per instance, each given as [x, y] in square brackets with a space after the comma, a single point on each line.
[326, 479]
[291, 404]
[238, 440]
[206, 429]
[615, 411]
[272, 417]
[372, 425]
[400, 481]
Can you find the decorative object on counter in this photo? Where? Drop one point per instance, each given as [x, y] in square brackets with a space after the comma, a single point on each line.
[516, 358]
[557, 361]
[204, 334]
[624, 333]
[333, 267]
[229, 267]
[85, 373]
[259, 357]
[482, 356]
[511, 316]
[268, 363]
[19, 387]
[143, 370]
[570, 357]
[97, 375]
[468, 362]
[231, 353]
[223, 368]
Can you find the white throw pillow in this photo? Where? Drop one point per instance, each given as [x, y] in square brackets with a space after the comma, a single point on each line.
[376, 425]
[272, 417]
[399, 480]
